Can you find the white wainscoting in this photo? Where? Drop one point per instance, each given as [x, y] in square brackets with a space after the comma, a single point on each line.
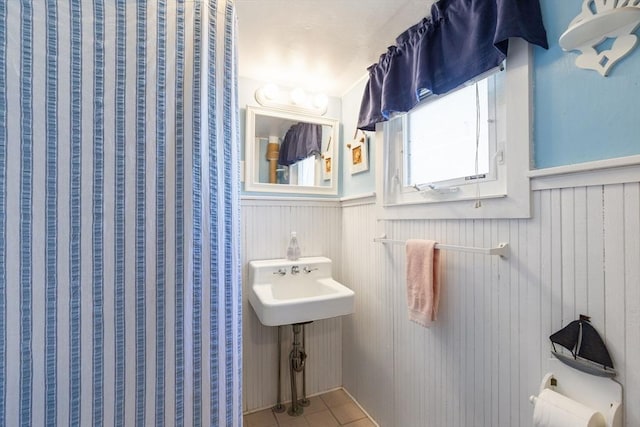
[579, 253]
[265, 234]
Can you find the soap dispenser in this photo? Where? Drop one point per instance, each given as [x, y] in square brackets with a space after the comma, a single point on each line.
[293, 250]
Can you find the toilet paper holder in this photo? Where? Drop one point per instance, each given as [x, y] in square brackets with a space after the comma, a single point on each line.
[600, 393]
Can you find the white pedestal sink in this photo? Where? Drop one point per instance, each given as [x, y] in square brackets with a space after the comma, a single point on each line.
[286, 292]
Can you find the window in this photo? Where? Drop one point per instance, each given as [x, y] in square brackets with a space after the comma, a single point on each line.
[464, 154]
[446, 135]
[304, 172]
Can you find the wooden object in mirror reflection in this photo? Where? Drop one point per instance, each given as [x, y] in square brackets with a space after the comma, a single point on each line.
[273, 152]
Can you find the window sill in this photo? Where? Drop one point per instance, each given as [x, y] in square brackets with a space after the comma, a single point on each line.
[493, 206]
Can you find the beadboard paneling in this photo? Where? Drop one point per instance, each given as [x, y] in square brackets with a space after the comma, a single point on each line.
[579, 253]
[265, 235]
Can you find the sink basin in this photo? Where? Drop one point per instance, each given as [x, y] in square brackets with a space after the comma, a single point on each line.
[285, 292]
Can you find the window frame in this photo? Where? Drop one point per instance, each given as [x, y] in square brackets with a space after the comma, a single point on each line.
[513, 199]
[457, 188]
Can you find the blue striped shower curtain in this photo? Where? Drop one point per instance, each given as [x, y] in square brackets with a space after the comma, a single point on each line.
[120, 301]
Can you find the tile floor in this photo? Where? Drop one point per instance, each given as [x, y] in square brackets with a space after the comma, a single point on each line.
[332, 409]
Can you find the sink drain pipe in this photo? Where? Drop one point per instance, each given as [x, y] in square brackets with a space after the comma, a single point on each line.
[279, 406]
[304, 401]
[296, 364]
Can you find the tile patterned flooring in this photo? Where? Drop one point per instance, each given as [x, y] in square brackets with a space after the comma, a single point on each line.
[332, 409]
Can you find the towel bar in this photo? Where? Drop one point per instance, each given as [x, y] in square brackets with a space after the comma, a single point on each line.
[502, 249]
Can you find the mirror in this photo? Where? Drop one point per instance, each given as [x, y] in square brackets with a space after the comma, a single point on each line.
[288, 152]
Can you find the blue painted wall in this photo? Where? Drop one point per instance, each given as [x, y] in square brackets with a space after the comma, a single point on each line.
[362, 182]
[581, 116]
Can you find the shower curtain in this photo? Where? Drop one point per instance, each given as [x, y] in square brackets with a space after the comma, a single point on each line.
[119, 214]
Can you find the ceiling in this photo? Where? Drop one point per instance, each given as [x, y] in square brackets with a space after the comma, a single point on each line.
[319, 45]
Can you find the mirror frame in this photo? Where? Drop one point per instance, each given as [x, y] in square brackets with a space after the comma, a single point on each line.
[251, 183]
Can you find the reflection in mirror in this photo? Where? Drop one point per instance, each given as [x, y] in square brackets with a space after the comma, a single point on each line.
[290, 152]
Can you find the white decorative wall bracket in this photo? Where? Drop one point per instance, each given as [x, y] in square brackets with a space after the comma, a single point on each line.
[599, 21]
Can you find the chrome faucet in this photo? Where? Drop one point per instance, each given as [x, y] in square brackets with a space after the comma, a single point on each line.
[308, 270]
[295, 269]
[281, 272]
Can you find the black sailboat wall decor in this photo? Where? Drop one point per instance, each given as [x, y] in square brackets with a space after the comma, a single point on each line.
[588, 351]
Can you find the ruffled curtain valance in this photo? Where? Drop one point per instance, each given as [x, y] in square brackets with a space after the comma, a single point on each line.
[459, 41]
[301, 141]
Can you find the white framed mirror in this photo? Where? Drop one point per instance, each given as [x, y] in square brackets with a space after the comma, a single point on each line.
[287, 152]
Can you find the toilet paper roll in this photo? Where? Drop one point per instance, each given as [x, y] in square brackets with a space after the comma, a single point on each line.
[556, 410]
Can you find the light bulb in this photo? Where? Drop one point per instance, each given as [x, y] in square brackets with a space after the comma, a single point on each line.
[270, 91]
[320, 100]
[298, 96]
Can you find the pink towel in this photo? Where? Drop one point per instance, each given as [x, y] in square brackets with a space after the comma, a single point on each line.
[423, 281]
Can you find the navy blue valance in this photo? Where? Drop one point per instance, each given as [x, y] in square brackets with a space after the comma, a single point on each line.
[459, 41]
[301, 141]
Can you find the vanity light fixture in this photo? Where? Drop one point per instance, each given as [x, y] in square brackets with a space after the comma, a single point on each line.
[297, 100]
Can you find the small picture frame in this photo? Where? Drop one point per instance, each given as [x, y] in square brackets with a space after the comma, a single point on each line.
[359, 149]
[326, 165]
